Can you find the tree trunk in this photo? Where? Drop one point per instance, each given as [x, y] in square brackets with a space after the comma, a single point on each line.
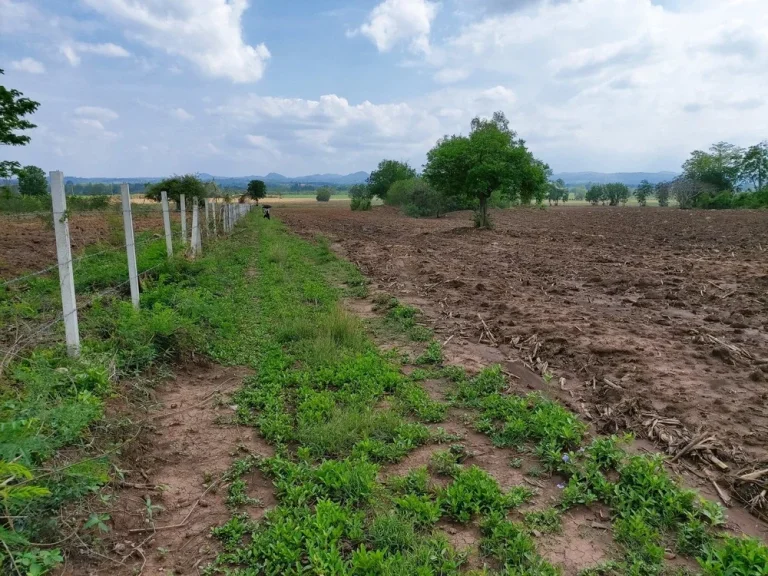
[484, 212]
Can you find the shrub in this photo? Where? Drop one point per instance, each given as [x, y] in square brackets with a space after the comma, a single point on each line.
[417, 198]
[360, 197]
[189, 185]
[323, 194]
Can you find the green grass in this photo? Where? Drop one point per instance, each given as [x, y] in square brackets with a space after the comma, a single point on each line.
[50, 402]
[337, 411]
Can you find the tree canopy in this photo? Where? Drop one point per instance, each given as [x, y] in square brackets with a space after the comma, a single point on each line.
[13, 108]
[387, 173]
[32, 181]
[257, 190]
[643, 191]
[491, 158]
[189, 185]
[754, 166]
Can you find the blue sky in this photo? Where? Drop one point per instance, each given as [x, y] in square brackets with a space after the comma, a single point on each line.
[238, 87]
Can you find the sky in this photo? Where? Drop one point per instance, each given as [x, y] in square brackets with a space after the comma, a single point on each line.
[240, 87]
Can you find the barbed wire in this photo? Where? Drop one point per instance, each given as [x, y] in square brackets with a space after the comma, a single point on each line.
[18, 279]
[20, 344]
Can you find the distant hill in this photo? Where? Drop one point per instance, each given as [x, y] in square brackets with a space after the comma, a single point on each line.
[240, 181]
[628, 178]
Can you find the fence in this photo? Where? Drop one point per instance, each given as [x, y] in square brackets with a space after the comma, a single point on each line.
[208, 223]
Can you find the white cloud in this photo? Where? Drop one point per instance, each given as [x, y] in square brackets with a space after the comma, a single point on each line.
[72, 50]
[364, 132]
[96, 113]
[29, 65]
[395, 21]
[181, 114]
[207, 33]
[17, 16]
[451, 75]
[611, 84]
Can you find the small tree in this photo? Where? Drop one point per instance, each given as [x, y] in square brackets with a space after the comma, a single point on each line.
[359, 197]
[189, 185]
[323, 194]
[257, 190]
[595, 193]
[662, 193]
[32, 181]
[387, 173]
[616, 193]
[557, 191]
[642, 192]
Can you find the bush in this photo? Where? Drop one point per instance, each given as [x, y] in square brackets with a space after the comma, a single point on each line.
[360, 197]
[417, 198]
[323, 194]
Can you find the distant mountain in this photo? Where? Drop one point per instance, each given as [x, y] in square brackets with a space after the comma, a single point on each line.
[628, 178]
[271, 178]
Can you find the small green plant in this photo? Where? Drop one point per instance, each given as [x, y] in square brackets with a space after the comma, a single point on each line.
[432, 355]
[447, 462]
[545, 521]
[474, 491]
[735, 557]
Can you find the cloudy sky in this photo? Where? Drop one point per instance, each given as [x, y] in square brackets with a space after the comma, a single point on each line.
[238, 87]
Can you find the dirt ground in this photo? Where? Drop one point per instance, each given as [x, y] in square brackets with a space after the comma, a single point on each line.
[656, 318]
[28, 243]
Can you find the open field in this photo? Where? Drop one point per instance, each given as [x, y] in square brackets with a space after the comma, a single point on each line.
[669, 306]
[269, 410]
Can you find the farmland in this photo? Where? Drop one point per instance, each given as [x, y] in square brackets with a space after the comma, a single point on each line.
[365, 393]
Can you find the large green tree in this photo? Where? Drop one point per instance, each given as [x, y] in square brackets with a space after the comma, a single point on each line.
[492, 158]
[32, 181]
[387, 173]
[720, 167]
[754, 166]
[189, 185]
[257, 190]
[13, 108]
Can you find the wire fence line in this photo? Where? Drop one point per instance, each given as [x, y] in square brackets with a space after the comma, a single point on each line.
[216, 219]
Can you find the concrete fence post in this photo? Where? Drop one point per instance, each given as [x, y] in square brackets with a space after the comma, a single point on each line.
[64, 258]
[195, 229]
[207, 218]
[167, 224]
[130, 245]
[183, 208]
[214, 207]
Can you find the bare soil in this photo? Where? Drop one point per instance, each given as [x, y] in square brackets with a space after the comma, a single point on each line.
[656, 318]
[177, 465]
[28, 243]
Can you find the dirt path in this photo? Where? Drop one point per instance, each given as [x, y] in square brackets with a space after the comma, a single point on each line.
[176, 468]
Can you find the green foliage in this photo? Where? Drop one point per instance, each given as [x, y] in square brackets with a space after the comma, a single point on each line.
[492, 158]
[13, 108]
[474, 491]
[392, 532]
[545, 521]
[386, 174]
[189, 185]
[32, 181]
[736, 557]
[616, 193]
[512, 546]
[595, 193]
[417, 198]
[663, 190]
[643, 191]
[359, 198]
[324, 194]
[432, 355]
[256, 190]
[754, 166]
[557, 191]
[447, 462]
[719, 168]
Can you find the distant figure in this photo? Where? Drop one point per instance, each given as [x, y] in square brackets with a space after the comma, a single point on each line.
[265, 208]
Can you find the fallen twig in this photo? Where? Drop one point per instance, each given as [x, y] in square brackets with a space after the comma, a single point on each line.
[183, 522]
